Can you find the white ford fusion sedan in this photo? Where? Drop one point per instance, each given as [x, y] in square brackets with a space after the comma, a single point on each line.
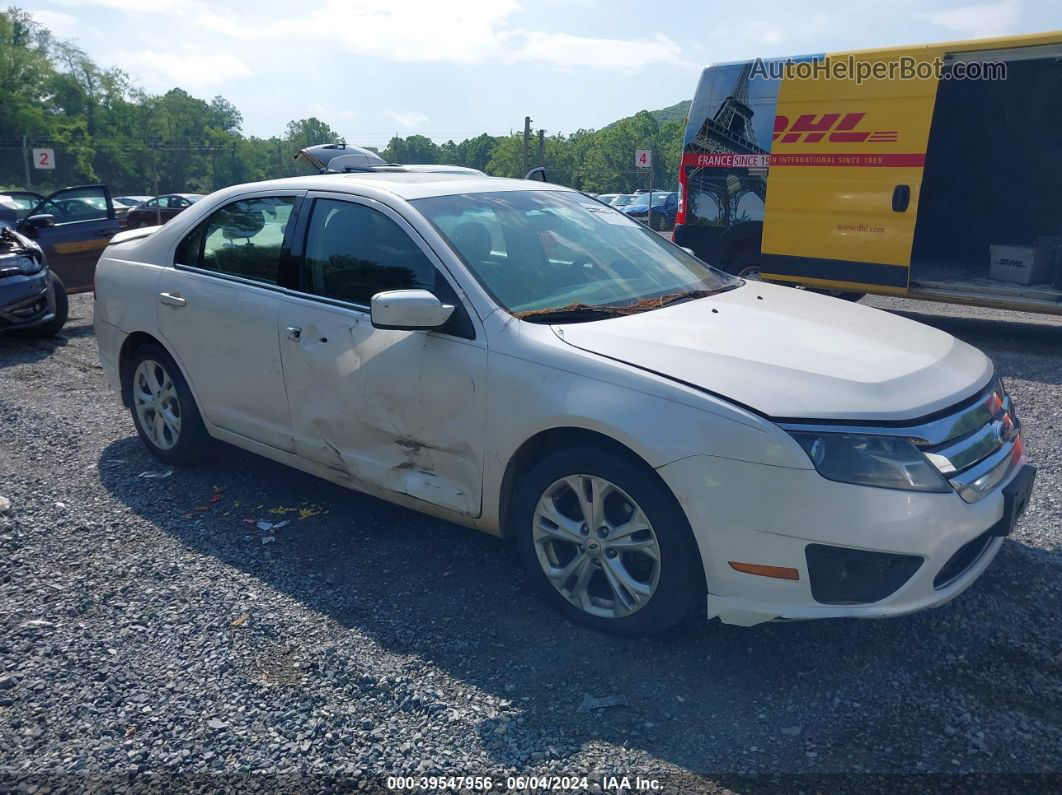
[657, 437]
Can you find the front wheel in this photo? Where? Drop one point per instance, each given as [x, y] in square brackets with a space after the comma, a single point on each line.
[607, 543]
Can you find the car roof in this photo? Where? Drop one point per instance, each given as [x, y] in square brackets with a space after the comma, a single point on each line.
[406, 185]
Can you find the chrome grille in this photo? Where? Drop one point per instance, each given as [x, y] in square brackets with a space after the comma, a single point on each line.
[981, 446]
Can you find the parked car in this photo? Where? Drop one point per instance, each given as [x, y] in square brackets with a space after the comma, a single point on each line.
[622, 200]
[23, 201]
[159, 210]
[32, 299]
[665, 206]
[655, 435]
[607, 198]
[123, 204]
[72, 227]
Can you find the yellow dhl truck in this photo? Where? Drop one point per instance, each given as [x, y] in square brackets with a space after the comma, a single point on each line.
[932, 172]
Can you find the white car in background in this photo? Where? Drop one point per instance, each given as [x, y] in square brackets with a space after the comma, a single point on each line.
[656, 436]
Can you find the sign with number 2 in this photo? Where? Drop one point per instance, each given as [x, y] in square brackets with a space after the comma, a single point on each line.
[44, 158]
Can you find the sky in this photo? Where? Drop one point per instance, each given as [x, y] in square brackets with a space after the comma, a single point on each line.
[450, 70]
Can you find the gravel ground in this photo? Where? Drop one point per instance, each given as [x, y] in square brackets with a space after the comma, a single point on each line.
[147, 627]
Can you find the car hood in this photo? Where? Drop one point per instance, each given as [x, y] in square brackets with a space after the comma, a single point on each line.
[794, 354]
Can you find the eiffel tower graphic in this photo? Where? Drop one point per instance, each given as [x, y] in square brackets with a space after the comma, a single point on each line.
[730, 130]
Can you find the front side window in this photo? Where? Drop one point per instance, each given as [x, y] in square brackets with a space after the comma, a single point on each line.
[354, 252]
[241, 239]
[544, 252]
[76, 204]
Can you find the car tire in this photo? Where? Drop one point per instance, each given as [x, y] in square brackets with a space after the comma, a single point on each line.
[654, 596]
[163, 408]
[62, 311]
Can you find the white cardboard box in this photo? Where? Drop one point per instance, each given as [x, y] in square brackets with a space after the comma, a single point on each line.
[1019, 264]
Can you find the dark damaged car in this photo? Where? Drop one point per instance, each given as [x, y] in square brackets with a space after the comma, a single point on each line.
[33, 300]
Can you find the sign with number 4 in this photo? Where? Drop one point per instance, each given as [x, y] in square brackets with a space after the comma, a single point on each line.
[643, 158]
[44, 158]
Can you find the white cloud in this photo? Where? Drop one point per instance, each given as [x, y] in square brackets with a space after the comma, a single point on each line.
[166, 70]
[57, 22]
[620, 55]
[408, 118]
[397, 31]
[471, 32]
[168, 7]
[978, 21]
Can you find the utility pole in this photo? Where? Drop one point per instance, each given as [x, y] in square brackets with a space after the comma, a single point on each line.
[649, 212]
[26, 163]
[541, 148]
[527, 144]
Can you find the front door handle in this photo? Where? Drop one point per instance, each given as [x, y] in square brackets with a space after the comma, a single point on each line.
[294, 332]
[172, 299]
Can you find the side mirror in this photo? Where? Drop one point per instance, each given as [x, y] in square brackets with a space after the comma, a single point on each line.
[39, 221]
[408, 310]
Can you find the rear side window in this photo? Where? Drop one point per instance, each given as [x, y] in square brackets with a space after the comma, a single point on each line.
[354, 252]
[241, 239]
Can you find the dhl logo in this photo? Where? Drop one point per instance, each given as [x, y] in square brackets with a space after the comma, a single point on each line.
[838, 128]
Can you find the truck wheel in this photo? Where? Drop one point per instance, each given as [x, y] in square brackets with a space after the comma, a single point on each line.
[746, 265]
[607, 543]
[843, 295]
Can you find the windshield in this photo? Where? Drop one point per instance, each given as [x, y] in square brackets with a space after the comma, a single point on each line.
[542, 252]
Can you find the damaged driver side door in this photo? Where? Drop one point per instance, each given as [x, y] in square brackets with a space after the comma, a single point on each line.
[401, 410]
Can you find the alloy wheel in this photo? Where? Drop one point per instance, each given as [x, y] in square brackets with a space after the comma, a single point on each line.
[156, 403]
[596, 546]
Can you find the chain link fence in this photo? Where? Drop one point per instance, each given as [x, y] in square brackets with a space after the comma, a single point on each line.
[643, 195]
[151, 167]
[145, 167]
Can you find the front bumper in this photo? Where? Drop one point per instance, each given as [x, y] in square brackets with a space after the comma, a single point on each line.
[768, 515]
[26, 301]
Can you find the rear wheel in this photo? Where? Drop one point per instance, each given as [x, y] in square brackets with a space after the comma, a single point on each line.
[607, 543]
[164, 411]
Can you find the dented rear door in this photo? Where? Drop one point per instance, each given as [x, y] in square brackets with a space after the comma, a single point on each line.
[401, 410]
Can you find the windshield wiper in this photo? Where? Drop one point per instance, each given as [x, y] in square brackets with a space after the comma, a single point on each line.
[574, 312]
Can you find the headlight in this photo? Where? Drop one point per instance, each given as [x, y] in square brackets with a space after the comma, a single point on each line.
[883, 461]
[15, 264]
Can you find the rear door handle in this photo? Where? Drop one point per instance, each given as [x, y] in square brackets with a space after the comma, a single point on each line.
[901, 198]
[294, 332]
[172, 299]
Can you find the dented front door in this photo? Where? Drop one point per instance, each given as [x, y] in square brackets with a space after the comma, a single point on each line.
[402, 410]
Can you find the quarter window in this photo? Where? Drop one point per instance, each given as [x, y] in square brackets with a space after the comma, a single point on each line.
[354, 252]
[241, 239]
